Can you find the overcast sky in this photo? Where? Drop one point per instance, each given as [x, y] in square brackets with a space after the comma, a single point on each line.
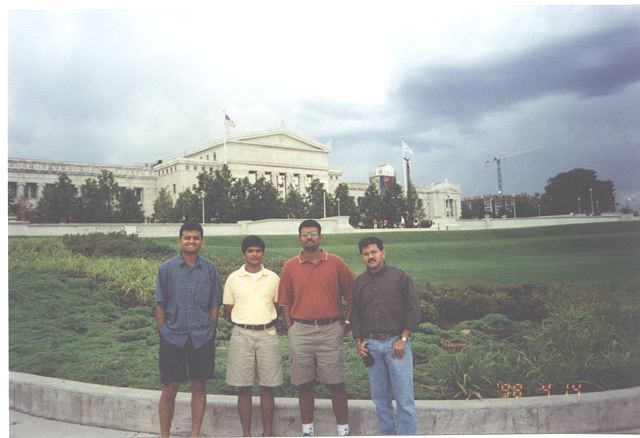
[460, 85]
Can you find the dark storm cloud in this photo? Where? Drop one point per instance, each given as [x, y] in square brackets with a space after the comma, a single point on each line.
[587, 65]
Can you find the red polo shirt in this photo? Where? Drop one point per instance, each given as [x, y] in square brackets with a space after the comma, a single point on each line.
[314, 291]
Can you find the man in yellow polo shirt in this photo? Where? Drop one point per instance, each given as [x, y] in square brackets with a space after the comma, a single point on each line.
[250, 294]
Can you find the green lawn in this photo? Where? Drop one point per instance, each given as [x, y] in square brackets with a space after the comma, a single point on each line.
[565, 253]
[68, 318]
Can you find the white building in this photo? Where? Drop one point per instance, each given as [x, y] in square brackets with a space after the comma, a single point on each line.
[280, 156]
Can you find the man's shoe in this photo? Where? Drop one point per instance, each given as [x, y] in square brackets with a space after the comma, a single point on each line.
[307, 434]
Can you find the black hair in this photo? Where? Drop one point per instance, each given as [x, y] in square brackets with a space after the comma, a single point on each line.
[371, 240]
[191, 226]
[308, 224]
[251, 241]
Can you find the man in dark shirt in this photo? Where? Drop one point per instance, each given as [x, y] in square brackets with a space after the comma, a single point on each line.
[188, 294]
[385, 310]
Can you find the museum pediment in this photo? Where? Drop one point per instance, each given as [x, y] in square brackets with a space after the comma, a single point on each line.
[281, 139]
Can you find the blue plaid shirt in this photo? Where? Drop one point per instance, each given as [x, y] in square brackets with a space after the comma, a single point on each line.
[188, 294]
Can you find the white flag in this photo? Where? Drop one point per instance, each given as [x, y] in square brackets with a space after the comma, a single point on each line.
[229, 122]
[406, 151]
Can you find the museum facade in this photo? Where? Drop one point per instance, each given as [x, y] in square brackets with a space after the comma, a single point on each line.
[282, 157]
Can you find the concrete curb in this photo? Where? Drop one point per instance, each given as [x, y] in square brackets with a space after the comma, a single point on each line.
[136, 410]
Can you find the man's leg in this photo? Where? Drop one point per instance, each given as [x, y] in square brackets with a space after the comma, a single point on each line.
[339, 403]
[244, 409]
[401, 378]
[306, 401]
[166, 407]
[266, 407]
[381, 386]
[198, 404]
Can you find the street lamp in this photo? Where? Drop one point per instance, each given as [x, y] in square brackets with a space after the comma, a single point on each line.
[515, 215]
[597, 207]
[338, 201]
[538, 210]
[579, 205]
[202, 195]
[591, 196]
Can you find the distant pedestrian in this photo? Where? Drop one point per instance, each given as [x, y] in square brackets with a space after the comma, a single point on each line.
[250, 294]
[385, 310]
[188, 295]
[313, 286]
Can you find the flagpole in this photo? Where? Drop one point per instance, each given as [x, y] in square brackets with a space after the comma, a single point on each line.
[225, 135]
[404, 167]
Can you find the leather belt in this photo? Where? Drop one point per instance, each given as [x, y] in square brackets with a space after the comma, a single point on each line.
[256, 326]
[318, 322]
[379, 336]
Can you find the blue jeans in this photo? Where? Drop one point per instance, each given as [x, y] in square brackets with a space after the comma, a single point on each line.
[392, 377]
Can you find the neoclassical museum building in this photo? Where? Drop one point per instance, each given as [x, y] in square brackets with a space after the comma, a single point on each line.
[280, 156]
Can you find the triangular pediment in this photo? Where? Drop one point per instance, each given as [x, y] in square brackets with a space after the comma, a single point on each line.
[280, 139]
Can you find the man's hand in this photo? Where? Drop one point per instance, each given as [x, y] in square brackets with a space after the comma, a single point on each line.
[398, 348]
[363, 351]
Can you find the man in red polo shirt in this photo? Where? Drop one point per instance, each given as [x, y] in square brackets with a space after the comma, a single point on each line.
[313, 286]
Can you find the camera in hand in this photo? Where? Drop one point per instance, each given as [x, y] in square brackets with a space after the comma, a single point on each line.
[368, 360]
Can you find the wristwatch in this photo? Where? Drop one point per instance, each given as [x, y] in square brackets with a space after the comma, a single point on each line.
[347, 322]
[404, 339]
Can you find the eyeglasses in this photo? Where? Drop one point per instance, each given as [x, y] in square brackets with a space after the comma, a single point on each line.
[307, 235]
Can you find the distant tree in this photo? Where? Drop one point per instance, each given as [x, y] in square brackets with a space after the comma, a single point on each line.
[240, 205]
[346, 204]
[265, 201]
[370, 207]
[59, 202]
[13, 203]
[473, 209]
[188, 207]
[316, 199]
[128, 209]
[393, 205]
[415, 207]
[99, 198]
[217, 187]
[295, 205]
[563, 190]
[163, 210]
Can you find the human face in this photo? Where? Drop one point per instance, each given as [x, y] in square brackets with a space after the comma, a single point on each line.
[372, 257]
[190, 242]
[253, 258]
[310, 239]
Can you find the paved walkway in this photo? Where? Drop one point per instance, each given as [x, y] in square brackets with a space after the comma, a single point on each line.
[28, 426]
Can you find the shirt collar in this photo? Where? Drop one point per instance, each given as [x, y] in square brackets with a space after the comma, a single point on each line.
[197, 263]
[323, 258]
[380, 272]
[243, 271]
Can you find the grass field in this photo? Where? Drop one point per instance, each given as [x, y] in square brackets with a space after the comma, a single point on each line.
[67, 318]
[596, 252]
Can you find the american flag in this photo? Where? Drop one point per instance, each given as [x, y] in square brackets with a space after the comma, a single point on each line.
[228, 121]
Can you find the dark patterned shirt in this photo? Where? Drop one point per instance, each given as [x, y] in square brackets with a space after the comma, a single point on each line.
[384, 303]
[188, 294]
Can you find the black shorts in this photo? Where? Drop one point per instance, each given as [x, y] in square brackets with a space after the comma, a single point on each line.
[175, 360]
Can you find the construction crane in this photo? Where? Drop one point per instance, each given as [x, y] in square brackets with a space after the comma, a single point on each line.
[498, 159]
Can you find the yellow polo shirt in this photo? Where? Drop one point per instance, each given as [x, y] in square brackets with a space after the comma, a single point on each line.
[253, 300]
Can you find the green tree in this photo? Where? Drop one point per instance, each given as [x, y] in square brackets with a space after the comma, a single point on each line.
[370, 207]
[188, 207]
[217, 187]
[346, 204]
[473, 208]
[240, 205]
[265, 201]
[128, 209]
[316, 199]
[163, 210]
[59, 202]
[99, 198]
[414, 206]
[295, 205]
[563, 190]
[394, 204]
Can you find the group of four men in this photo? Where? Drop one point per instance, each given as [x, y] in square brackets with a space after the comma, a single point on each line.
[319, 300]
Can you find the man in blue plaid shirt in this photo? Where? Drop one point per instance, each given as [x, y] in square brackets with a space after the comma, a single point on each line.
[188, 294]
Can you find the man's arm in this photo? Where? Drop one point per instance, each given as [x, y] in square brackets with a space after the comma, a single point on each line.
[214, 315]
[286, 316]
[161, 316]
[227, 311]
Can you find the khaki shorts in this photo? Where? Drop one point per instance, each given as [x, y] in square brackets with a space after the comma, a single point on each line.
[316, 353]
[254, 353]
